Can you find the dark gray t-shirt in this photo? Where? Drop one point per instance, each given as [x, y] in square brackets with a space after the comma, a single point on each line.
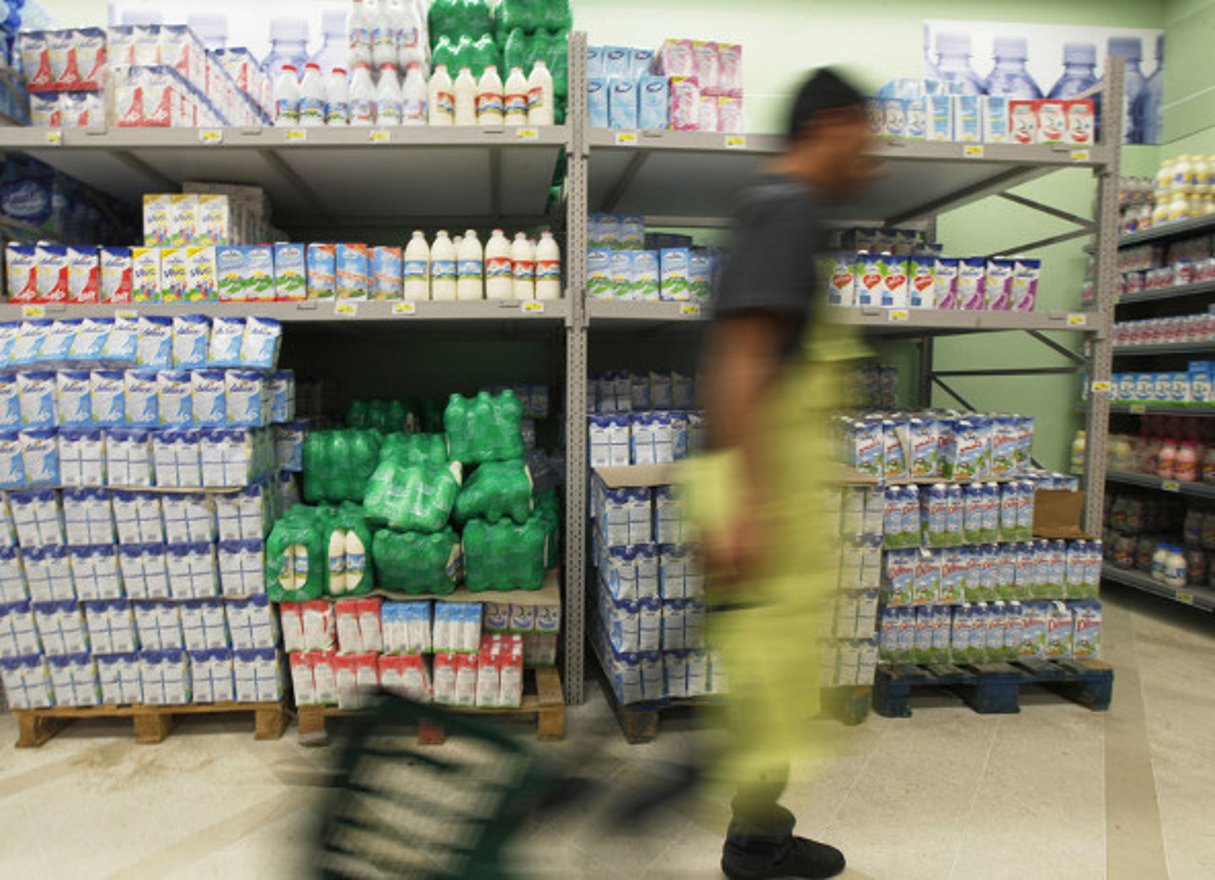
[770, 264]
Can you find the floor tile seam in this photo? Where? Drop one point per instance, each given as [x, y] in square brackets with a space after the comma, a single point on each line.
[968, 820]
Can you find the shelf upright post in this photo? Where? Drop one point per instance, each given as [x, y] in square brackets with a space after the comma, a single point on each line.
[576, 475]
[1101, 354]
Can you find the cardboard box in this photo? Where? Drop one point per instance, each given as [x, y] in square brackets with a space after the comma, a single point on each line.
[1057, 514]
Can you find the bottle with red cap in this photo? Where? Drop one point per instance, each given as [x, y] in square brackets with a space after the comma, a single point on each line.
[287, 96]
[312, 97]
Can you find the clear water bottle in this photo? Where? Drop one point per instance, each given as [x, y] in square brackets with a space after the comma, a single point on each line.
[142, 17]
[1009, 77]
[1130, 50]
[288, 45]
[334, 49]
[1079, 70]
[211, 28]
[1148, 106]
[953, 62]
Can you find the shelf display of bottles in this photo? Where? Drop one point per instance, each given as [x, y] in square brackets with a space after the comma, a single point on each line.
[1156, 268]
[1177, 330]
[1183, 188]
[1171, 448]
[1170, 539]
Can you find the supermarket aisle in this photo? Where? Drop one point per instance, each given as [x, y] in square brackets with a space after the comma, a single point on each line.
[1056, 792]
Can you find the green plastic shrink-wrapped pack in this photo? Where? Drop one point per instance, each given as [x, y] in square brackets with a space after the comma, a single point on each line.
[409, 449]
[295, 556]
[548, 508]
[505, 555]
[414, 498]
[484, 428]
[347, 543]
[415, 563]
[495, 490]
[338, 464]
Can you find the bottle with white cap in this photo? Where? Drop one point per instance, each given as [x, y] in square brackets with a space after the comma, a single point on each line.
[413, 96]
[388, 96]
[360, 25]
[383, 36]
[312, 96]
[362, 97]
[540, 96]
[441, 107]
[411, 36]
[442, 268]
[548, 268]
[515, 98]
[416, 268]
[498, 267]
[337, 98]
[489, 98]
[286, 97]
[470, 268]
[466, 98]
[523, 267]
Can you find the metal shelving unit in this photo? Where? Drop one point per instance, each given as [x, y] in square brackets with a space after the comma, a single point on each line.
[1200, 597]
[1163, 409]
[1181, 229]
[1170, 348]
[1177, 291]
[1149, 481]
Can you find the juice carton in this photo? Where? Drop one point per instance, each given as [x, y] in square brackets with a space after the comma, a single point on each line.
[894, 281]
[1080, 122]
[214, 226]
[21, 272]
[203, 276]
[841, 280]
[183, 219]
[1025, 284]
[290, 272]
[322, 271]
[353, 271]
[1052, 122]
[622, 275]
[259, 272]
[972, 272]
[869, 279]
[995, 119]
[1023, 121]
[675, 280]
[940, 118]
[997, 285]
[622, 103]
[685, 103]
[654, 102]
[917, 119]
[386, 268]
[646, 276]
[156, 228]
[921, 285]
[117, 282]
[967, 119]
[599, 273]
[230, 266]
[174, 274]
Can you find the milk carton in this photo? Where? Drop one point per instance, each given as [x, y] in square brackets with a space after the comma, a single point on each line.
[1023, 121]
[146, 282]
[259, 272]
[84, 283]
[622, 103]
[174, 396]
[156, 225]
[917, 119]
[598, 89]
[202, 284]
[617, 61]
[894, 117]
[841, 279]
[997, 285]
[183, 219]
[599, 282]
[921, 283]
[700, 274]
[207, 389]
[290, 272]
[386, 273]
[622, 274]
[1052, 122]
[967, 119]
[869, 279]
[231, 271]
[654, 102]
[894, 281]
[214, 225]
[646, 276]
[21, 272]
[52, 273]
[940, 118]
[972, 273]
[116, 281]
[1025, 284]
[675, 280]
[995, 119]
[174, 274]
[685, 104]
[322, 271]
[1080, 122]
[353, 272]
[945, 282]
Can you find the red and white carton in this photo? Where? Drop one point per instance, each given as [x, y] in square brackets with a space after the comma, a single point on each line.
[346, 616]
[21, 272]
[466, 680]
[685, 103]
[116, 286]
[1081, 122]
[320, 627]
[1052, 122]
[488, 674]
[324, 673]
[730, 59]
[291, 619]
[444, 685]
[84, 275]
[708, 67]
[52, 273]
[677, 58]
[1023, 122]
[370, 624]
[405, 675]
[303, 679]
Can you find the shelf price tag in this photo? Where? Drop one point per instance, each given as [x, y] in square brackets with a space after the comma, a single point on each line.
[626, 138]
[736, 142]
[211, 136]
[1080, 155]
[528, 134]
[346, 309]
[33, 313]
[898, 315]
[380, 136]
[533, 308]
[54, 137]
[972, 151]
[1170, 485]
[403, 309]
[1076, 319]
[1101, 387]
[689, 310]
[1187, 598]
[127, 314]
[1138, 409]
[296, 135]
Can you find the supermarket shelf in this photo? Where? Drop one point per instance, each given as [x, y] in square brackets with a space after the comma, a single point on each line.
[1148, 481]
[1175, 348]
[1169, 230]
[333, 175]
[645, 172]
[1178, 291]
[1163, 409]
[318, 311]
[548, 596]
[643, 315]
[1199, 597]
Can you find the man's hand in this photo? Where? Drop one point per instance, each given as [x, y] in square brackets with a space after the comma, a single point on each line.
[732, 554]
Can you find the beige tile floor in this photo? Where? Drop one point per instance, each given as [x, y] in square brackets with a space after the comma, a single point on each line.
[1054, 793]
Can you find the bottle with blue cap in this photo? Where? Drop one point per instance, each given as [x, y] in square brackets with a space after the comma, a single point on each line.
[953, 62]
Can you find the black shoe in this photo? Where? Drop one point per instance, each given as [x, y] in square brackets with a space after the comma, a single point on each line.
[803, 858]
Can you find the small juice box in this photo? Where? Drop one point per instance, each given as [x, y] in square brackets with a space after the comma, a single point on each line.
[1023, 121]
[290, 272]
[917, 119]
[1052, 122]
[967, 119]
[995, 119]
[1080, 122]
[940, 118]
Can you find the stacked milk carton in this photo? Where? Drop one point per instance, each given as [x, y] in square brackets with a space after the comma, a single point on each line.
[849, 656]
[153, 593]
[1192, 387]
[643, 417]
[626, 263]
[687, 85]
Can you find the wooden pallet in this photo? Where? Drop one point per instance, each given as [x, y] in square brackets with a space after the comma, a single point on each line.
[152, 723]
[994, 688]
[543, 699]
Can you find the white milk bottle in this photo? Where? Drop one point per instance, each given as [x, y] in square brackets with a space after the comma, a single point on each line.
[312, 96]
[411, 46]
[466, 98]
[287, 97]
[523, 267]
[442, 268]
[498, 267]
[548, 268]
[360, 33]
[337, 98]
[388, 97]
[416, 268]
[413, 96]
[470, 268]
[489, 98]
[383, 36]
[362, 97]
[442, 99]
[540, 96]
[515, 98]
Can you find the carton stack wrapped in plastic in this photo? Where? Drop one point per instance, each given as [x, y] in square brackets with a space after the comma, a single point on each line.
[627, 263]
[643, 417]
[47, 204]
[142, 480]
[393, 513]
[686, 85]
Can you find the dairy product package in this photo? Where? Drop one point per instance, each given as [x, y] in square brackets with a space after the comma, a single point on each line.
[731, 118]
[157, 226]
[622, 103]
[706, 113]
[183, 219]
[894, 117]
[967, 119]
[174, 274]
[1023, 121]
[84, 283]
[52, 273]
[322, 271]
[1081, 122]
[654, 102]
[21, 272]
[115, 276]
[940, 118]
[997, 285]
[869, 279]
[916, 110]
[1052, 122]
[599, 283]
[923, 443]
[207, 397]
[386, 273]
[622, 274]
[921, 281]
[263, 339]
[1025, 284]
[73, 398]
[894, 281]
[191, 336]
[841, 280]
[598, 90]
[646, 276]
[352, 271]
[227, 336]
[174, 395]
[972, 274]
[700, 275]
[290, 272]
[676, 58]
[685, 104]
[617, 62]
[995, 119]
[214, 220]
[146, 281]
[675, 280]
